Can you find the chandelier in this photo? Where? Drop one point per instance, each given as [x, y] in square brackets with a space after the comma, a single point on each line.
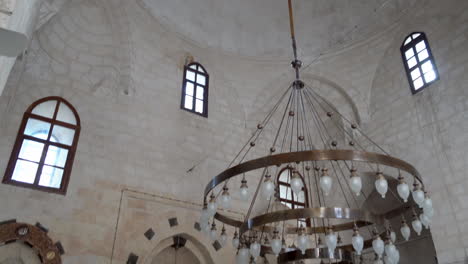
[313, 184]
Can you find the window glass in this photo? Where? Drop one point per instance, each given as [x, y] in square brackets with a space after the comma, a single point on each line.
[200, 92]
[189, 89]
[420, 46]
[34, 126]
[201, 79]
[25, 171]
[51, 177]
[45, 109]
[191, 76]
[31, 150]
[188, 102]
[56, 156]
[65, 114]
[64, 135]
[199, 106]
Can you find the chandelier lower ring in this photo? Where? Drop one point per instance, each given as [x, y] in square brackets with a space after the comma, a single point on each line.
[315, 253]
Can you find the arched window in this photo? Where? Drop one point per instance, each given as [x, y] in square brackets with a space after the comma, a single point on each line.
[419, 63]
[43, 154]
[286, 194]
[195, 89]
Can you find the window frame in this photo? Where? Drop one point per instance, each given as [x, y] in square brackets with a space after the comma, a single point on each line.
[292, 202]
[411, 45]
[14, 157]
[195, 84]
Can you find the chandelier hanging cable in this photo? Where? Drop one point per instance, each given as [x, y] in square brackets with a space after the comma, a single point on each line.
[310, 200]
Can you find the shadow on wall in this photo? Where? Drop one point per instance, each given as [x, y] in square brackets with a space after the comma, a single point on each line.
[18, 253]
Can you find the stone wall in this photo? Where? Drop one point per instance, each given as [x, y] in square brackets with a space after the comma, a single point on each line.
[122, 70]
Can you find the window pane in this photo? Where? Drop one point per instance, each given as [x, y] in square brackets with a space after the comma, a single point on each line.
[51, 177]
[409, 53]
[415, 74]
[301, 197]
[283, 190]
[31, 150]
[201, 79]
[418, 83]
[420, 46]
[416, 35]
[191, 76]
[430, 76]
[63, 135]
[408, 40]
[199, 106]
[284, 176]
[56, 156]
[427, 66]
[25, 171]
[188, 103]
[200, 92]
[288, 194]
[200, 69]
[37, 128]
[45, 109]
[193, 66]
[189, 88]
[423, 55]
[65, 114]
[412, 62]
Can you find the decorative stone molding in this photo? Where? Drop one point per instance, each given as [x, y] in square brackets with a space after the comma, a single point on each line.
[36, 237]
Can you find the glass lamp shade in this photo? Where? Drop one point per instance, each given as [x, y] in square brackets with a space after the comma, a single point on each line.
[244, 193]
[355, 183]
[418, 197]
[302, 242]
[417, 226]
[358, 243]
[403, 191]
[235, 242]
[225, 199]
[429, 213]
[381, 185]
[396, 259]
[268, 188]
[213, 234]
[425, 220]
[427, 204]
[296, 184]
[276, 246]
[223, 239]
[390, 250]
[326, 183]
[388, 260]
[243, 256]
[378, 246]
[255, 249]
[330, 241]
[405, 231]
[212, 207]
[204, 216]
[393, 236]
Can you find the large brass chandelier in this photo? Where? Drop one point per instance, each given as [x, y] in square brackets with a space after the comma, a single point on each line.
[325, 218]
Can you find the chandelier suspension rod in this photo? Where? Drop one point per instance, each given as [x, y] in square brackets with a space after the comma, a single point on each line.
[296, 63]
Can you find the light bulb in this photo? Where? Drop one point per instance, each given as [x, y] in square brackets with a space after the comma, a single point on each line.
[212, 205]
[403, 189]
[418, 195]
[255, 249]
[276, 244]
[223, 240]
[268, 187]
[355, 182]
[296, 183]
[331, 241]
[417, 225]
[358, 242]
[405, 230]
[381, 184]
[205, 215]
[243, 255]
[225, 198]
[235, 242]
[396, 259]
[378, 246]
[326, 182]
[393, 236]
[244, 190]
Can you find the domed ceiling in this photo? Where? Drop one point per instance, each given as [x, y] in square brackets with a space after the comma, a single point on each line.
[260, 27]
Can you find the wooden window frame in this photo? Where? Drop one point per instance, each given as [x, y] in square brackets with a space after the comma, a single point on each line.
[195, 84]
[7, 179]
[411, 45]
[292, 202]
